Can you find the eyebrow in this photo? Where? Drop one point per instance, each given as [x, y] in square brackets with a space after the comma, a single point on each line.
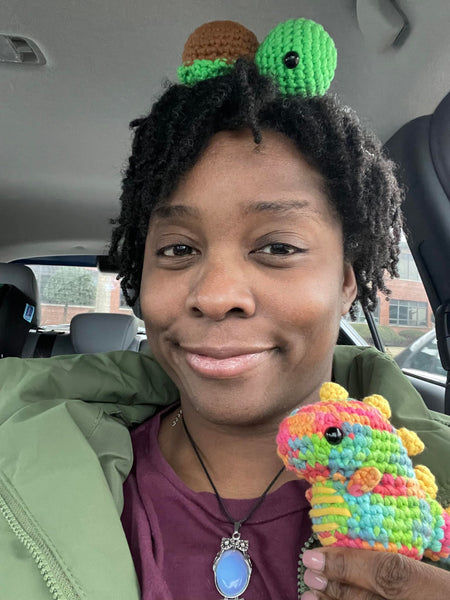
[280, 207]
[168, 211]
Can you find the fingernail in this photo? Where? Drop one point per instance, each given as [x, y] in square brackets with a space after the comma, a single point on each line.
[314, 560]
[308, 596]
[315, 581]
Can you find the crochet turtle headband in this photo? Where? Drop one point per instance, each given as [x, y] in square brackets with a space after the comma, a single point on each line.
[298, 54]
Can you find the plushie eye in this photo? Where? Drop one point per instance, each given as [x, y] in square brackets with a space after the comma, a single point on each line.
[291, 59]
[334, 435]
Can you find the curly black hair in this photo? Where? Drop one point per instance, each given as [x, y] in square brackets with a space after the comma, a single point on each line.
[359, 179]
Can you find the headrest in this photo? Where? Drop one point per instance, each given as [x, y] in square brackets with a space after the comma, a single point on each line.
[102, 332]
[22, 277]
[440, 142]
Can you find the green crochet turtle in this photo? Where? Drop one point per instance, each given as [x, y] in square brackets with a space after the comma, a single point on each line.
[298, 54]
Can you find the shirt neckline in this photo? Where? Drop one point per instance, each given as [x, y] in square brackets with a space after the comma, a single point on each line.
[287, 499]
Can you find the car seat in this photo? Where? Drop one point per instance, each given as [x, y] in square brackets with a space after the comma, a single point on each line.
[19, 307]
[103, 332]
[422, 150]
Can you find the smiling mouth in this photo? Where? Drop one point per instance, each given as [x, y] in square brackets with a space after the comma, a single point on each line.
[223, 364]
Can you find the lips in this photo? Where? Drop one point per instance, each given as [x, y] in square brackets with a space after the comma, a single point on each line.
[222, 363]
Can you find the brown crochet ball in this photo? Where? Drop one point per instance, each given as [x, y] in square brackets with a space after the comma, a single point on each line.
[219, 39]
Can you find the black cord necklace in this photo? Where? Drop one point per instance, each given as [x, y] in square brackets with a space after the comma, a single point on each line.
[232, 566]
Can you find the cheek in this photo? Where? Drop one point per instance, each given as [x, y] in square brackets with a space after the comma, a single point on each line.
[313, 296]
[160, 303]
[310, 314]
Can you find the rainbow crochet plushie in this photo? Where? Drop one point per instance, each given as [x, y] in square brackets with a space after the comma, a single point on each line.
[365, 491]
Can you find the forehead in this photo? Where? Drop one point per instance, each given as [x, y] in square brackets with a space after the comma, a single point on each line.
[234, 173]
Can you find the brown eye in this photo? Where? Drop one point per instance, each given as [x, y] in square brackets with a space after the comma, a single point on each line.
[334, 435]
[291, 59]
[278, 249]
[177, 250]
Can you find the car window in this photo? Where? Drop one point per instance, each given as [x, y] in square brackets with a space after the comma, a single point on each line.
[405, 322]
[66, 291]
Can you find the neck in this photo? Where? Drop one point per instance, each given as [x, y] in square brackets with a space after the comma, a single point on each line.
[241, 462]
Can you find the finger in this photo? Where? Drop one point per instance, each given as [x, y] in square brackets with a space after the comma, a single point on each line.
[335, 590]
[346, 592]
[391, 576]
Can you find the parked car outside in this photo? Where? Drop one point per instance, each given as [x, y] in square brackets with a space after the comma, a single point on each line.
[422, 358]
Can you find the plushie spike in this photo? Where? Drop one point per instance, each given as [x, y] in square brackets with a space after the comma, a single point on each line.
[332, 391]
[380, 403]
[411, 441]
[426, 480]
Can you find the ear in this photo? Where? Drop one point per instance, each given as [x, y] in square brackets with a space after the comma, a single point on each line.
[349, 288]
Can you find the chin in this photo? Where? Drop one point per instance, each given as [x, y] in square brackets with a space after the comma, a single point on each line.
[237, 407]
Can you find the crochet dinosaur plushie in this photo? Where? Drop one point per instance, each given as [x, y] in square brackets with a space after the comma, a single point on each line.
[365, 492]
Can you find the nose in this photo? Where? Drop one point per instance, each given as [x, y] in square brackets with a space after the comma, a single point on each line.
[220, 289]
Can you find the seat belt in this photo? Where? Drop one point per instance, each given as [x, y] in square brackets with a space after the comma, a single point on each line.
[442, 318]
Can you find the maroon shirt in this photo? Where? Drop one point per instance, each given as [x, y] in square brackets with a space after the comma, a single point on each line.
[174, 533]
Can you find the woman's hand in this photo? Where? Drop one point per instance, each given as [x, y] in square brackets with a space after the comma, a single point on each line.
[347, 574]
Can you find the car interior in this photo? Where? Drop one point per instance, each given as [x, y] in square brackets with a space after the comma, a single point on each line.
[75, 74]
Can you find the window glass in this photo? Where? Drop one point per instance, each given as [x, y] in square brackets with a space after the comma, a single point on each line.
[361, 317]
[66, 291]
[406, 265]
[408, 313]
[405, 322]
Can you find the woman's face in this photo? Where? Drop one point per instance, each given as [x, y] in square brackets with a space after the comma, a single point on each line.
[244, 281]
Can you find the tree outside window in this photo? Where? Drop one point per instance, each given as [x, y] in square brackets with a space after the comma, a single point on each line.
[74, 287]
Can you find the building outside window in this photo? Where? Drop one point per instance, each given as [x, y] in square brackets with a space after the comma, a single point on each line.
[406, 266]
[407, 313]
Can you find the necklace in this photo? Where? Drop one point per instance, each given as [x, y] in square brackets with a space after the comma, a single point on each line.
[177, 417]
[232, 566]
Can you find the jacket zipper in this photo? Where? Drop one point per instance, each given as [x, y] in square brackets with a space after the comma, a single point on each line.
[58, 582]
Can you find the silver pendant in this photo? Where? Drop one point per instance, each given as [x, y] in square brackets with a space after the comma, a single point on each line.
[232, 567]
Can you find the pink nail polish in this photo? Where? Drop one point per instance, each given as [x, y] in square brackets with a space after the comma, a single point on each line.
[309, 596]
[314, 580]
[314, 560]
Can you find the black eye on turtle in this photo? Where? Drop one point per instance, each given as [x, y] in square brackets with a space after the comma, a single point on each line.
[291, 59]
[334, 435]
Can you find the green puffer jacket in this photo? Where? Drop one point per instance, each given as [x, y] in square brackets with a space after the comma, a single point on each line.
[65, 452]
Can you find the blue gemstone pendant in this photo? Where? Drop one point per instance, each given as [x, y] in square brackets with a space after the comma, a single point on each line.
[232, 567]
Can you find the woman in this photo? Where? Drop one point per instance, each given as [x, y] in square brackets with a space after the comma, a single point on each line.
[263, 219]
[250, 223]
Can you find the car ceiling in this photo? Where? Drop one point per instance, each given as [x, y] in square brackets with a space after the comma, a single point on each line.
[64, 125]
